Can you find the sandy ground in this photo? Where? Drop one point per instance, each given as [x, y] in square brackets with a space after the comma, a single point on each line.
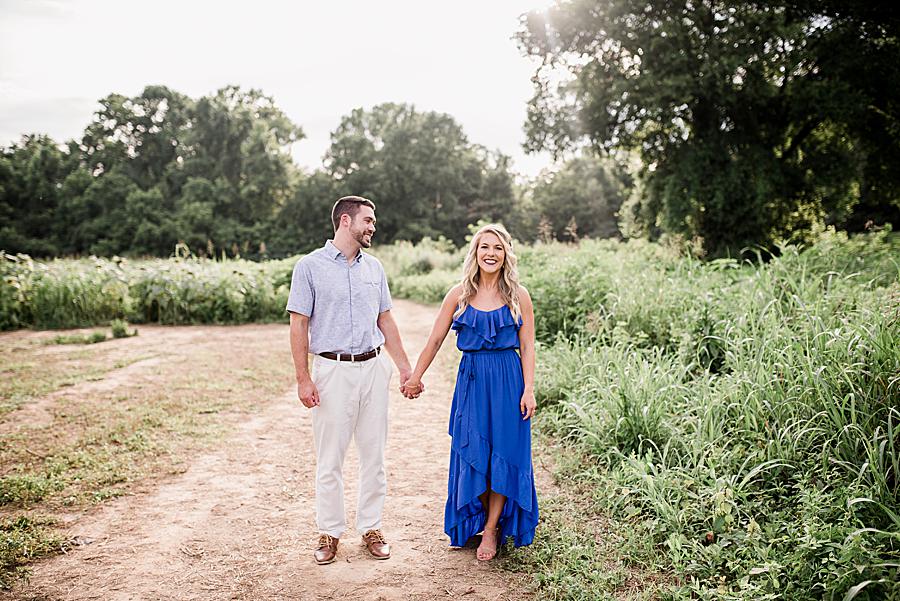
[239, 523]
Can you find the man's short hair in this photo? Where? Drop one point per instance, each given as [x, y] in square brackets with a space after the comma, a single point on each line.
[349, 205]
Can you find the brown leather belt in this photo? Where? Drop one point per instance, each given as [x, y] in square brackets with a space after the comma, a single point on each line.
[361, 357]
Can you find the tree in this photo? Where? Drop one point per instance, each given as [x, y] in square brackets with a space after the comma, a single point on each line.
[95, 219]
[586, 192]
[421, 171]
[31, 175]
[243, 139]
[753, 120]
[160, 168]
[303, 223]
[141, 136]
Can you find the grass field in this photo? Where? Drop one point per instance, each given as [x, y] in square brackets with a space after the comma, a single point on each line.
[740, 421]
[733, 425]
[95, 421]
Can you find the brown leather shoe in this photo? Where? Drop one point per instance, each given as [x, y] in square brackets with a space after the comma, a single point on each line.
[375, 543]
[327, 551]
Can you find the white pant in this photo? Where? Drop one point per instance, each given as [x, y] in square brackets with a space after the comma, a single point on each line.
[353, 402]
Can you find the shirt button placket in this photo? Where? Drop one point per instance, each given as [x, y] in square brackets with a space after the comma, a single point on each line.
[350, 303]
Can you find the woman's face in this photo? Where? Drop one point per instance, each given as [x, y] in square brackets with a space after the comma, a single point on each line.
[490, 253]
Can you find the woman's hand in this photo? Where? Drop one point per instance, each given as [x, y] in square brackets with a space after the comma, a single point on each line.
[528, 404]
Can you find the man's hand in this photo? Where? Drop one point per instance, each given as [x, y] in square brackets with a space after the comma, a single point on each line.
[405, 373]
[308, 393]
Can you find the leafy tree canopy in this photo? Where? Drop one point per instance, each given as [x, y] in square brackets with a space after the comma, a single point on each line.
[754, 120]
[426, 177]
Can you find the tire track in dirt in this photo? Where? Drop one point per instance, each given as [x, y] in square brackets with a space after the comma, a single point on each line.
[239, 523]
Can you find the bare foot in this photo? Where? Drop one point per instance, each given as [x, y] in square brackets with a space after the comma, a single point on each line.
[488, 547]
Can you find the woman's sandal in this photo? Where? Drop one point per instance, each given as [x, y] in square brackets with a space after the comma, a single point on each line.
[485, 555]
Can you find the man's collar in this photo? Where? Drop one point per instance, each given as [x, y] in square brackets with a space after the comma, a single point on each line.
[335, 253]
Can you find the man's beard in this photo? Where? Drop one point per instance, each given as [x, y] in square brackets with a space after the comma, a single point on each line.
[360, 237]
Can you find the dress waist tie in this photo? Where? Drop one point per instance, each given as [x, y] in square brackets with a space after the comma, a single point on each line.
[464, 417]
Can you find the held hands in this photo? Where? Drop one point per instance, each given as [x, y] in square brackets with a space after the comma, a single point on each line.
[527, 404]
[411, 387]
[308, 393]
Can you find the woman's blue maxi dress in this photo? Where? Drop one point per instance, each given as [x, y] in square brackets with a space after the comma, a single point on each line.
[491, 442]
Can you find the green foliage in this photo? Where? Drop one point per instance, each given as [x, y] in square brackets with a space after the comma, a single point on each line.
[200, 291]
[755, 122]
[743, 418]
[424, 175]
[581, 553]
[31, 173]
[424, 271]
[22, 539]
[85, 292]
[149, 172]
[215, 173]
[92, 338]
[119, 329]
[566, 559]
[428, 288]
[26, 489]
[18, 274]
[582, 199]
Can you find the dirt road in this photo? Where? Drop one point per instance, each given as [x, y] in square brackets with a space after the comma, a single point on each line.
[239, 523]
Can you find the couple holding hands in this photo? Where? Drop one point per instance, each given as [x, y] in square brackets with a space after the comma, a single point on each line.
[340, 312]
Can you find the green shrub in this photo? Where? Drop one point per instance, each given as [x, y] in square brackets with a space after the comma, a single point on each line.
[84, 292]
[745, 418]
[92, 338]
[119, 329]
[25, 489]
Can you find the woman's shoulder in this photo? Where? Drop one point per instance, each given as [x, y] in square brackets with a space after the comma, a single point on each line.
[523, 293]
[454, 294]
[451, 299]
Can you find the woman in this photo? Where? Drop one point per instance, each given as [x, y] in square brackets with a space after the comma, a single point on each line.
[491, 485]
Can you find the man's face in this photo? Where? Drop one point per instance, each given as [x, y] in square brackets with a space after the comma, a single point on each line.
[362, 226]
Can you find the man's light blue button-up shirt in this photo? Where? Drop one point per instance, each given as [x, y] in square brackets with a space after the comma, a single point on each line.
[341, 299]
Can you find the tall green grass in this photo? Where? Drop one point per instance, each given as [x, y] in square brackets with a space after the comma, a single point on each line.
[423, 271]
[85, 292]
[746, 417]
[742, 419]
[69, 293]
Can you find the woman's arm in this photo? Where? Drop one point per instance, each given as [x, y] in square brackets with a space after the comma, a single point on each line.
[438, 332]
[526, 350]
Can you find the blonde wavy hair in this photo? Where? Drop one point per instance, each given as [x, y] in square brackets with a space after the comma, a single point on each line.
[509, 272]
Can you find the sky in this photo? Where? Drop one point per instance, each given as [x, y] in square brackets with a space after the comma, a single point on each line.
[318, 60]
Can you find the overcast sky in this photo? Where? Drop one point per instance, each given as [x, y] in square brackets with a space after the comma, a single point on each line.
[318, 60]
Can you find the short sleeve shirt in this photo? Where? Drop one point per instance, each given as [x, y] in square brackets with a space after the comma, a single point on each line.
[342, 300]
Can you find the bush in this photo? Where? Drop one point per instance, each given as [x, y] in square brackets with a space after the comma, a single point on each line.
[85, 292]
[745, 417]
[119, 329]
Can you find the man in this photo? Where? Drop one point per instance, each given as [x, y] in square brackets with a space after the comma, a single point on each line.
[340, 309]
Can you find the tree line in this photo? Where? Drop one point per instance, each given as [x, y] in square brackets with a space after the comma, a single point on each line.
[730, 124]
[215, 173]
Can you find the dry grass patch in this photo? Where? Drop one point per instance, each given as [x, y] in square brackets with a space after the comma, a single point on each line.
[87, 424]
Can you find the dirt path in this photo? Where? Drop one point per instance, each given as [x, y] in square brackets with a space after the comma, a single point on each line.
[239, 523]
